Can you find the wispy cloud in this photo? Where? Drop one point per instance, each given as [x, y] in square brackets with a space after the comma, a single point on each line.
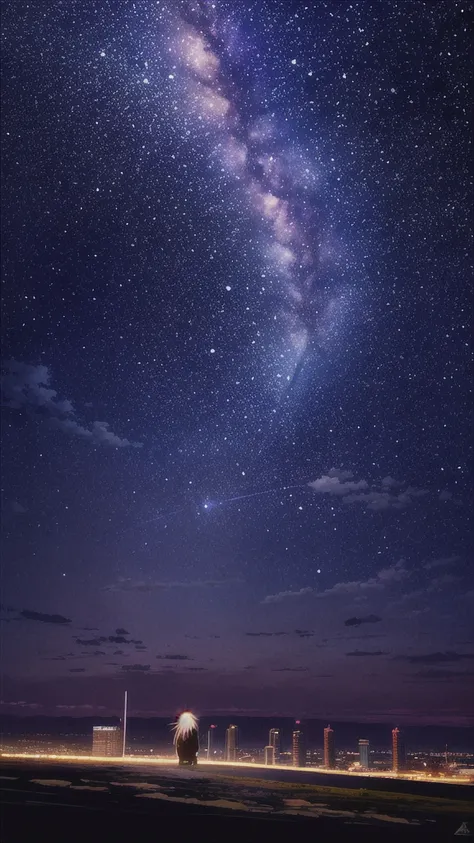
[440, 562]
[128, 584]
[18, 508]
[436, 658]
[290, 670]
[265, 634]
[441, 674]
[384, 495]
[43, 617]
[286, 595]
[382, 579]
[91, 642]
[338, 483]
[176, 657]
[359, 621]
[28, 387]
[136, 668]
[367, 653]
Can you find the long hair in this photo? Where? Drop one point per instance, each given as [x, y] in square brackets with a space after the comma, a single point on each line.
[185, 725]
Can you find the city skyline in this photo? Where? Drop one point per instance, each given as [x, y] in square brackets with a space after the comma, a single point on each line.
[236, 415]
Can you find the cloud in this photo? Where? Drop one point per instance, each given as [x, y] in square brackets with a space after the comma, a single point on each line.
[176, 658]
[28, 387]
[437, 658]
[385, 577]
[340, 473]
[290, 670]
[266, 634]
[18, 508]
[380, 500]
[331, 484]
[441, 674]
[359, 621]
[127, 584]
[90, 642]
[118, 639]
[440, 562]
[390, 483]
[99, 434]
[446, 495]
[367, 653]
[439, 583]
[121, 631]
[43, 617]
[136, 668]
[285, 595]
[364, 637]
[77, 670]
[339, 483]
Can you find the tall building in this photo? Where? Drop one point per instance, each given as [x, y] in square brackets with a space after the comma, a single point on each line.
[298, 748]
[364, 754]
[329, 751]
[210, 741]
[398, 751]
[107, 741]
[274, 741]
[269, 756]
[231, 736]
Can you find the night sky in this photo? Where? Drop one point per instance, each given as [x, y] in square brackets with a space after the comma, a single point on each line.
[236, 389]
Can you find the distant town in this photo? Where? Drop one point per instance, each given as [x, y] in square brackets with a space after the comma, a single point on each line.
[289, 750]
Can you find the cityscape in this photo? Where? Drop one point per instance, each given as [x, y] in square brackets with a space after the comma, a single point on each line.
[283, 749]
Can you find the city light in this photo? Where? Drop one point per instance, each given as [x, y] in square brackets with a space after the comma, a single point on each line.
[172, 761]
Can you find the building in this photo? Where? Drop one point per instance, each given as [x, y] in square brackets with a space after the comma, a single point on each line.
[298, 748]
[231, 743]
[329, 751]
[398, 751]
[107, 741]
[364, 754]
[269, 756]
[274, 741]
[210, 741]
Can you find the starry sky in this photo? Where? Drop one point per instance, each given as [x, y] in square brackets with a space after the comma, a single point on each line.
[236, 383]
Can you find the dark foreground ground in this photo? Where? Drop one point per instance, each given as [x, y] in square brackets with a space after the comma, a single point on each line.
[59, 802]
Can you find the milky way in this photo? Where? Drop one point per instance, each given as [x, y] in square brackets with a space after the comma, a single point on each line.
[278, 181]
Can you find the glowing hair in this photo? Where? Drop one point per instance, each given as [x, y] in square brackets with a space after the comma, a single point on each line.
[185, 725]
